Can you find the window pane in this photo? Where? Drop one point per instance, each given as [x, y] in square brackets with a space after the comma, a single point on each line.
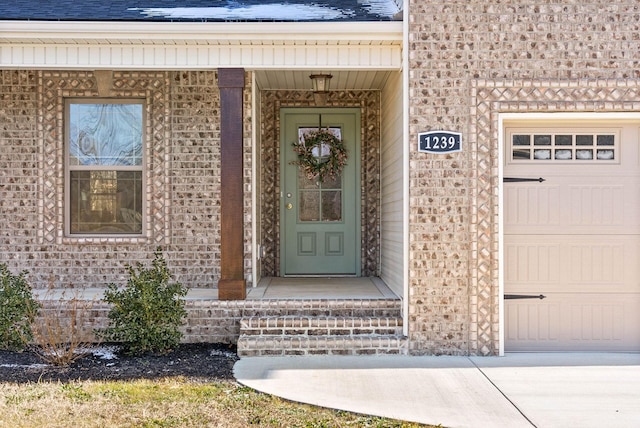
[305, 182]
[584, 154]
[332, 183]
[521, 140]
[563, 154]
[542, 154]
[542, 140]
[309, 206]
[522, 154]
[105, 134]
[584, 140]
[606, 140]
[563, 140]
[332, 206]
[605, 154]
[106, 202]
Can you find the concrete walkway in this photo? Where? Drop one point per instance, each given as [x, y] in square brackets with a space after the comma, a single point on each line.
[518, 390]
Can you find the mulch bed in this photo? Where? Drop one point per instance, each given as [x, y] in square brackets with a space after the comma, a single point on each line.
[200, 362]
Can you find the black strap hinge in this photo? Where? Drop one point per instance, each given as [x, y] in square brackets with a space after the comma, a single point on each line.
[524, 296]
[520, 180]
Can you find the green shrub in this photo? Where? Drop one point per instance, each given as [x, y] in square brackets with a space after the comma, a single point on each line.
[147, 313]
[18, 309]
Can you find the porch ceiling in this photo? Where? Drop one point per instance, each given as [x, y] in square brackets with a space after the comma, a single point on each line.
[272, 80]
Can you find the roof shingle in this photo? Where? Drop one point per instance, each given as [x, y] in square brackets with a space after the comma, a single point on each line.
[200, 10]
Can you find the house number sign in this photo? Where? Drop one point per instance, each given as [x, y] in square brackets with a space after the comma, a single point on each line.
[439, 142]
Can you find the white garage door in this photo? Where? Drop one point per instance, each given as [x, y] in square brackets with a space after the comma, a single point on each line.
[574, 238]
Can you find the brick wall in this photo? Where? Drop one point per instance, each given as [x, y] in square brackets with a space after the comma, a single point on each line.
[19, 179]
[470, 60]
[209, 321]
[183, 184]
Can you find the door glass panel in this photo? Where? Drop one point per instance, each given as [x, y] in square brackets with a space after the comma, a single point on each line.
[332, 183]
[305, 182]
[332, 205]
[319, 200]
[309, 206]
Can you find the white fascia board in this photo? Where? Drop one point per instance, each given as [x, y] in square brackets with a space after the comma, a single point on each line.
[254, 46]
[198, 32]
[194, 57]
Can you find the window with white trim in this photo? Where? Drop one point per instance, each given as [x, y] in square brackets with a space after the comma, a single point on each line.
[573, 145]
[104, 174]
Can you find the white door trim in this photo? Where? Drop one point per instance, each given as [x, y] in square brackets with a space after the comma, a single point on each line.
[406, 154]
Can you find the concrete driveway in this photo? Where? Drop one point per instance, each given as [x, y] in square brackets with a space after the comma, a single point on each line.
[518, 390]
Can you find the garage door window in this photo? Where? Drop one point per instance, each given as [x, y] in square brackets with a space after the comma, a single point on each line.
[562, 146]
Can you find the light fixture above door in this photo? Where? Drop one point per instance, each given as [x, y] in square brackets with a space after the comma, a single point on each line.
[320, 86]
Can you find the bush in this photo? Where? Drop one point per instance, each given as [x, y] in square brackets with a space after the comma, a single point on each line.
[59, 335]
[147, 313]
[18, 309]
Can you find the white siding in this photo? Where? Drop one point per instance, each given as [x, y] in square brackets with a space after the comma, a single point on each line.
[256, 182]
[392, 232]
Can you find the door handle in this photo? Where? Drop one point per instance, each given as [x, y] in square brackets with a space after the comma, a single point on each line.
[289, 206]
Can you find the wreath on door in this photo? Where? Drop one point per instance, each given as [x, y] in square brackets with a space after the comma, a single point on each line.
[320, 154]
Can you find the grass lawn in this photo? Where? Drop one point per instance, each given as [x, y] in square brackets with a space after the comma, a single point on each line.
[170, 402]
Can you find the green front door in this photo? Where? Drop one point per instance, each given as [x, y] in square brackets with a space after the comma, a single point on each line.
[319, 223]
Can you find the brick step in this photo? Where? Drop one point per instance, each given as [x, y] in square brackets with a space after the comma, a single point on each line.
[325, 307]
[320, 326]
[309, 334]
[281, 345]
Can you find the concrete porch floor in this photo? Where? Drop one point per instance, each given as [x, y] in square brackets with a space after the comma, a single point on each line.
[270, 288]
[320, 288]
